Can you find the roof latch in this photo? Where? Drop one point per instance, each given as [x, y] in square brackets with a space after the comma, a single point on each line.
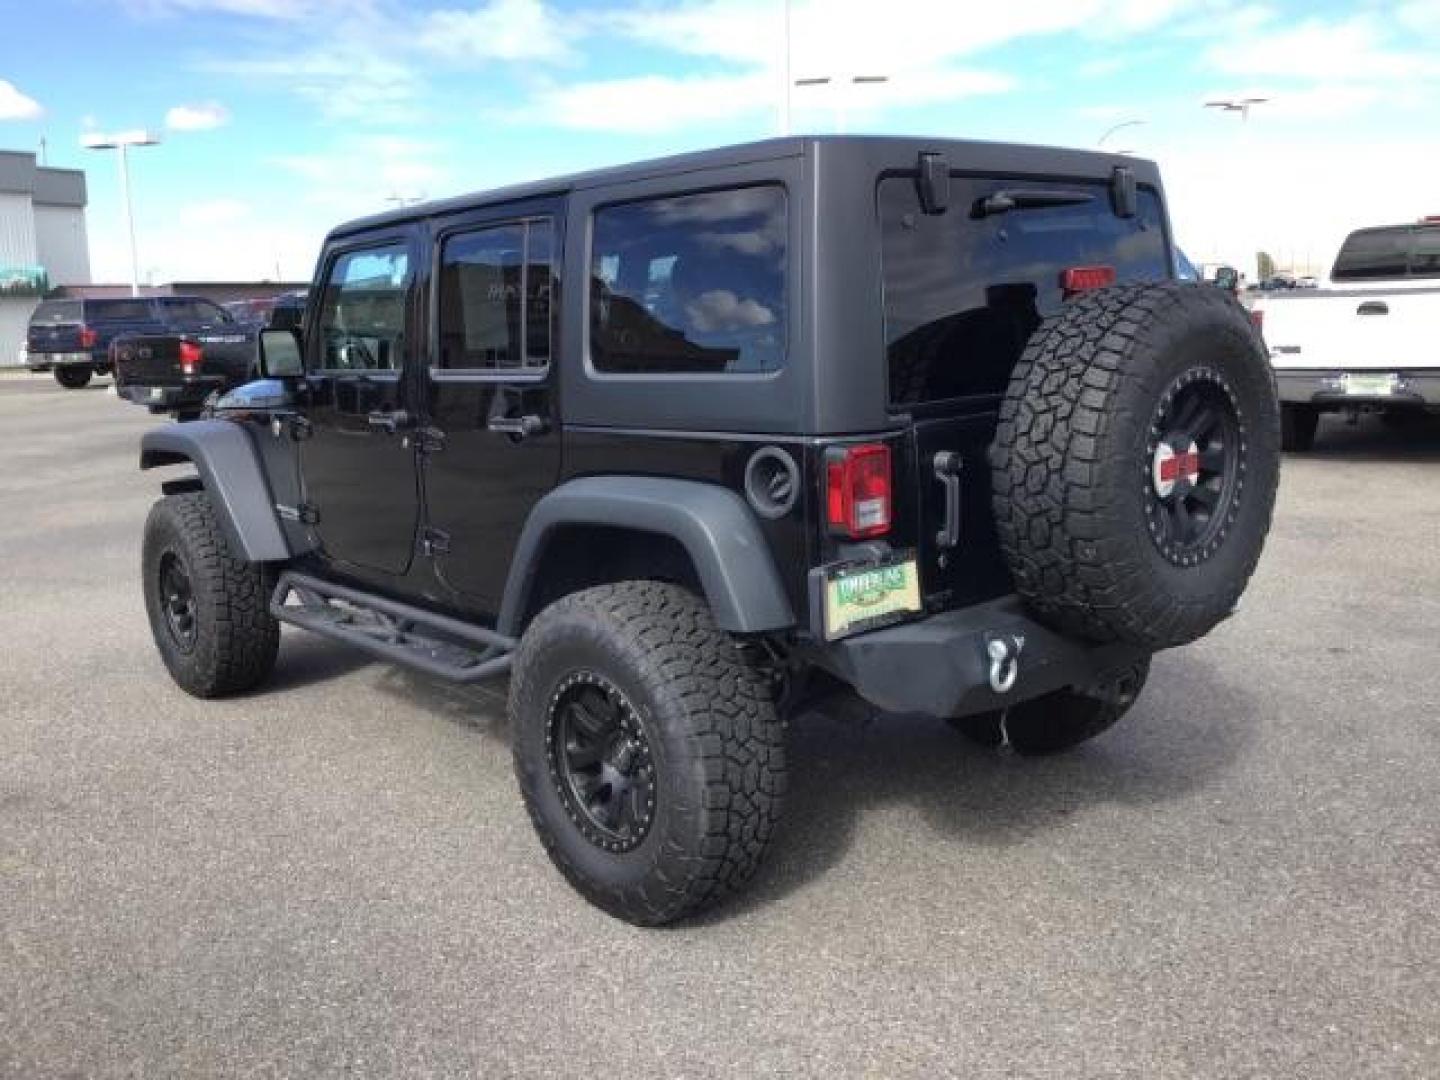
[934, 183]
[1122, 192]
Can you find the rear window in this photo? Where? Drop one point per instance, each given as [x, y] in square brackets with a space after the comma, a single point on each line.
[55, 312]
[691, 283]
[1398, 251]
[118, 310]
[963, 293]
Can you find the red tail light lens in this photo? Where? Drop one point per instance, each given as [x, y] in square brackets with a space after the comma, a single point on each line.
[858, 490]
[1078, 279]
[87, 338]
[190, 355]
[1257, 319]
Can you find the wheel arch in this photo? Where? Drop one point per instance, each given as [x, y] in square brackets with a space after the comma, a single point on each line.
[230, 472]
[604, 528]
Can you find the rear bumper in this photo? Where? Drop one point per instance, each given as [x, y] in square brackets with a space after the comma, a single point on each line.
[940, 666]
[44, 361]
[1414, 389]
[190, 394]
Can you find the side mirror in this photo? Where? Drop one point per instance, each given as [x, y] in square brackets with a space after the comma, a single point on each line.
[280, 354]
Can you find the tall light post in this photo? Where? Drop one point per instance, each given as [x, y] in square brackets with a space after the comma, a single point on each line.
[854, 80]
[1242, 105]
[121, 142]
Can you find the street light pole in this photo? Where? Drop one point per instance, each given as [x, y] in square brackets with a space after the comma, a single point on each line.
[841, 113]
[121, 143]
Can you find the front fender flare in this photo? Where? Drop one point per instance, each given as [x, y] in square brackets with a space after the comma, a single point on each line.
[712, 523]
[231, 473]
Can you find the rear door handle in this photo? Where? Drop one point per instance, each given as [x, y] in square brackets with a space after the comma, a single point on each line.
[521, 427]
[1373, 307]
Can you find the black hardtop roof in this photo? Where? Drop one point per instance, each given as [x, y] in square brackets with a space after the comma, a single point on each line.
[1022, 157]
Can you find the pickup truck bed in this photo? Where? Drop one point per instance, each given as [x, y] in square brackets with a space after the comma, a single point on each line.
[175, 373]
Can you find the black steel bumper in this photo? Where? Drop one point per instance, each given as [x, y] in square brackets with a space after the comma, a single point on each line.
[1414, 389]
[942, 665]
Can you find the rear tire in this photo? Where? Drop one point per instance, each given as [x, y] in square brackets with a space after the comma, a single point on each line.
[1135, 463]
[1297, 427]
[1060, 720]
[72, 377]
[649, 753]
[209, 611]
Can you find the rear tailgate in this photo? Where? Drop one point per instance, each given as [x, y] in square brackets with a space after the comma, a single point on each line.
[1377, 328]
[216, 359]
[963, 292]
[55, 327]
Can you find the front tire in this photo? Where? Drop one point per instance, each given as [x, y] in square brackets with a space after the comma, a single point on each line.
[648, 751]
[209, 611]
[72, 377]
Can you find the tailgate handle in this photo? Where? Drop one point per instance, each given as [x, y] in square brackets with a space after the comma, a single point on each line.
[947, 465]
[1373, 307]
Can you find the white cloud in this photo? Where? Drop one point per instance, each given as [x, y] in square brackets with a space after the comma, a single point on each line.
[202, 117]
[344, 79]
[1348, 51]
[498, 30]
[17, 106]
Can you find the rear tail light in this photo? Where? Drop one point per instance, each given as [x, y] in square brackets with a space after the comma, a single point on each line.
[858, 490]
[1257, 319]
[1078, 279]
[87, 338]
[190, 355]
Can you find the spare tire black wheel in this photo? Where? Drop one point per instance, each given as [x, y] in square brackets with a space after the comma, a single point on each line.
[1135, 463]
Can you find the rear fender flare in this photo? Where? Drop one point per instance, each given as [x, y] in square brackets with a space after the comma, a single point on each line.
[713, 525]
[230, 471]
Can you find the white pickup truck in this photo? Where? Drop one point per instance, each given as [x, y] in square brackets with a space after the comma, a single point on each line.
[1368, 341]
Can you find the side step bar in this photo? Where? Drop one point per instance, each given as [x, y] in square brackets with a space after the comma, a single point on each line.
[441, 646]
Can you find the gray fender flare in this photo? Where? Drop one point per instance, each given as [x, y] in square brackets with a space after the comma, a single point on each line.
[230, 470]
[713, 524]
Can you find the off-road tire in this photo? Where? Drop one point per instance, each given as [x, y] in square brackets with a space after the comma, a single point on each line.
[1297, 427]
[1076, 450]
[235, 638]
[72, 377]
[715, 742]
[1060, 720]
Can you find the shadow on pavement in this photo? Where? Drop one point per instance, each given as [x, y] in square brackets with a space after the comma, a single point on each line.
[1404, 437]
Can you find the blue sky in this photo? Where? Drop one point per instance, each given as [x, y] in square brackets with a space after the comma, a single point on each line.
[283, 117]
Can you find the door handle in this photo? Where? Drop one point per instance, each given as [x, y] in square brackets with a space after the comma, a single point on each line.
[389, 422]
[1373, 307]
[947, 464]
[521, 427]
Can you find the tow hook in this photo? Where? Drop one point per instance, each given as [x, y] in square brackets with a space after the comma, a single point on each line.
[1003, 652]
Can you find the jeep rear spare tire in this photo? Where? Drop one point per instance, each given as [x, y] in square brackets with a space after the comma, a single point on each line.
[1135, 463]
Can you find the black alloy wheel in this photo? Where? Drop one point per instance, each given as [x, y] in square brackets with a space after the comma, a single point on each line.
[1195, 467]
[177, 596]
[600, 762]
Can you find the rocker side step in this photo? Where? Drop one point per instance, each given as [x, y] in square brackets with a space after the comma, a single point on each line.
[441, 646]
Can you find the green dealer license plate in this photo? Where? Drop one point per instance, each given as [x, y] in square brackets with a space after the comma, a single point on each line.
[861, 596]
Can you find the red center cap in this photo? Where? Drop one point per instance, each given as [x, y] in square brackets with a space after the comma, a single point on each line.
[1172, 467]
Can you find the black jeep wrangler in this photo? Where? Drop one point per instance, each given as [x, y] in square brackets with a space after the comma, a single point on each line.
[678, 444]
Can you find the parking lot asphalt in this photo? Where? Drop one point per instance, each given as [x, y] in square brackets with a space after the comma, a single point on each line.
[335, 875]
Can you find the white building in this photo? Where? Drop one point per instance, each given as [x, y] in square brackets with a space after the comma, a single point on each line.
[42, 240]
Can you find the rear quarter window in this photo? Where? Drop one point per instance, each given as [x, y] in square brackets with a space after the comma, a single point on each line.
[690, 284]
[963, 293]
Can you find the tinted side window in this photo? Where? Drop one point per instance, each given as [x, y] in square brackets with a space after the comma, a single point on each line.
[362, 317]
[963, 292]
[1373, 253]
[118, 310]
[693, 283]
[193, 311]
[1425, 253]
[494, 290]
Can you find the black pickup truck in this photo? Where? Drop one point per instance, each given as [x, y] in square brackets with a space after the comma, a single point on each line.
[72, 337]
[176, 370]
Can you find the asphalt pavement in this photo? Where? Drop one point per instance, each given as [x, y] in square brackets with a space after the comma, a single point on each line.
[334, 876]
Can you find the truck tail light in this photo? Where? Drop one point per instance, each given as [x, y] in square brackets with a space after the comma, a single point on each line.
[1078, 279]
[87, 337]
[1257, 319]
[858, 490]
[190, 356]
